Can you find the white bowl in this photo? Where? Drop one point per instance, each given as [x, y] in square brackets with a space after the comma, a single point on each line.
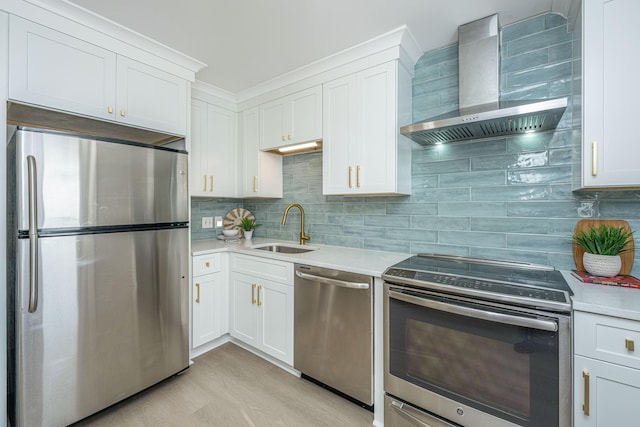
[230, 233]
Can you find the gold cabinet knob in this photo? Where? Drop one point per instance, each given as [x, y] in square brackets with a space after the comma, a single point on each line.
[629, 344]
[206, 264]
[289, 137]
[122, 113]
[283, 138]
[110, 109]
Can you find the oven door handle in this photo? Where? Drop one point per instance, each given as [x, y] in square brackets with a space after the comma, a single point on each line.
[508, 319]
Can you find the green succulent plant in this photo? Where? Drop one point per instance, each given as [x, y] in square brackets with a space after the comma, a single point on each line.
[604, 240]
[248, 224]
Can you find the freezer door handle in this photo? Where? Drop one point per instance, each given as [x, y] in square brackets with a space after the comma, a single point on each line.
[33, 234]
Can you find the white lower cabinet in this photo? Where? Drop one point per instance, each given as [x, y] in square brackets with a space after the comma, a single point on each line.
[606, 367]
[261, 305]
[209, 299]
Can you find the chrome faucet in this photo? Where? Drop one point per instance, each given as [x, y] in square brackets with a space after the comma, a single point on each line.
[303, 237]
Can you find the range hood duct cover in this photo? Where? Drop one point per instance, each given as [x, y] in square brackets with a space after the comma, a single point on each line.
[481, 114]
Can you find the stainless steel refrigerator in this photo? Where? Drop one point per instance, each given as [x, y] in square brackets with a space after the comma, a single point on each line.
[97, 289]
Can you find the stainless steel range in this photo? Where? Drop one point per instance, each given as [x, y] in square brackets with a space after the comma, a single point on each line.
[476, 342]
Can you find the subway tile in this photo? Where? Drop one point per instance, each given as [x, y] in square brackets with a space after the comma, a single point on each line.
[540, 175]
[561, 52]
[523, 28]
[626, 209]
[469, 179]
[548, 209]
[510, 192]
[435, 248]
[486, 147]
[544, 74]
[510, 161]
[511, 225]
[525, 61]
[389, 245]
[440, 223]
[421, 195]
[472, 209]
[545, 243]
[412, 209]
[539, 40]
[387, 221]
[346, 220]
[445, 166]
[412, 234]
[472, 238]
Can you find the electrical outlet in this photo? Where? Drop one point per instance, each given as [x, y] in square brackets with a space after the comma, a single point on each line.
[218, 222]
[207, 222]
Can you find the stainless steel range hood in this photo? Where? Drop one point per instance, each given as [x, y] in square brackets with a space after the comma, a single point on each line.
[481, 113]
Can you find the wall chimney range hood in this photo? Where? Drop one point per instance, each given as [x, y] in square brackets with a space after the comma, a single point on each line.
[481, 113]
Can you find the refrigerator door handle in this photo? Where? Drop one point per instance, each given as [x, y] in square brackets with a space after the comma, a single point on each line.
[33, 234]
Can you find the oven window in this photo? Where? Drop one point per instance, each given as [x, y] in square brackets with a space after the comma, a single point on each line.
[508, 371]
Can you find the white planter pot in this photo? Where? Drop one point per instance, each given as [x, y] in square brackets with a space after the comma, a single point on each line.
[248, 234]
[602, 265]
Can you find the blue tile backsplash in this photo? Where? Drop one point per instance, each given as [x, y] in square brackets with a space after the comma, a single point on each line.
[507, 198]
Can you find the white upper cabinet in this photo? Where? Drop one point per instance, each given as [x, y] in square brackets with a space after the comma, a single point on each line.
[56, 70]
[292, 119]
[261, 172]
[150, 98]
[213, 153]
[610, 35]
[53, 69]
[363, 151]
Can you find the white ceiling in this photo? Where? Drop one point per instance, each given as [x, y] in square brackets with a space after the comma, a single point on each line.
[248, 42]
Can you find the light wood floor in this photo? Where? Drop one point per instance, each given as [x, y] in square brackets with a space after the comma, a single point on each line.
[230, 386]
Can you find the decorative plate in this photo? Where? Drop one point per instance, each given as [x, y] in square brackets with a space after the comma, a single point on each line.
[233, 217]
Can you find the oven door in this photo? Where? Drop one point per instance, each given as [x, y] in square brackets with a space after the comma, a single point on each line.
[477, 363]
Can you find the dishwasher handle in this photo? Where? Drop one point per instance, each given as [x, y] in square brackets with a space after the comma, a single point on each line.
[334, 282]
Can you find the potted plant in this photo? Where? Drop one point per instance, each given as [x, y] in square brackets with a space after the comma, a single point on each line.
[248, 225]
[603, 246]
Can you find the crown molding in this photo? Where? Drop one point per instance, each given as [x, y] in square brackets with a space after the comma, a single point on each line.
[399, 42]
[57, 14]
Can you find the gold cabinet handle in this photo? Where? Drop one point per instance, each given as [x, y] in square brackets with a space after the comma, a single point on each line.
[207, 264]
[198, 293]
[629, 344]
[283, 138]
[255, 184]
[358, 176]
[289, 137]
[594, 158]
[204, 187]
[253, 293]
[350, 174]
[211, 183]
[585, 404]
[110, 109]
[259, 300]
[122, 113]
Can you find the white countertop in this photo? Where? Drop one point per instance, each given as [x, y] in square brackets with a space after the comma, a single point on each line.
[362, 261]
[600, 299]
[608, 300]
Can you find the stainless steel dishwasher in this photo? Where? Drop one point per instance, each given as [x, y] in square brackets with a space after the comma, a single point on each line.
[333, 330]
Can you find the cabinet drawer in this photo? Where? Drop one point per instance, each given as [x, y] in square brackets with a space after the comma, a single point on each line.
[278, 271]
[607, 338]
[205, 264]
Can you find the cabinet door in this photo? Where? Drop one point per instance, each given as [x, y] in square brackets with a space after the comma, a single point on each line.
[243, 316]
[339, 130]
[207, 309]
[275, 307]
[609, 70]
[262, 172]
[305, 116]
[273, 124]
[199, 152]
[150, 98]
[221, 126]
[613, 393]
[377, 130]
[54, 70]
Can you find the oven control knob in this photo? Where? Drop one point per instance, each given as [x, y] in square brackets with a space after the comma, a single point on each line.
[460, 411]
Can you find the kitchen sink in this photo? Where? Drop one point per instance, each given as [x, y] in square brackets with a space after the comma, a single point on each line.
[285, 248]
